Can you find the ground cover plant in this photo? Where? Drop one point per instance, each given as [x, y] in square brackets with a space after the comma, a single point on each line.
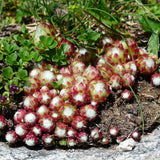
[81, 78]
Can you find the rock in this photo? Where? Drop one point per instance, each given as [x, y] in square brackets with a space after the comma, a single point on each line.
[147, 149]
[127, 145]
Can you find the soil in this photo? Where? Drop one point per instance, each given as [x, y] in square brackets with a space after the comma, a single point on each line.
[126, 116]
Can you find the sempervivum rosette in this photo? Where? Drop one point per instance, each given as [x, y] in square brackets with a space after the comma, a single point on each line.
[155, 79]
[30, 103]
[115, 82]
[30, 139]
[129, 79]
[19, 116]
[31, 86]
[96, 134]
[47, 78]
[77, 66]
[11, 137]
[89, 112]
[104, 43]
[146, 64]
[92, 73]
[115, 55]
[3, 122]
[130, 46]
[60, 131]
[48, 140]
[47, 123]
[99, 90]
[130, 67]
[84, 55]
[68, 112]
[79, 123]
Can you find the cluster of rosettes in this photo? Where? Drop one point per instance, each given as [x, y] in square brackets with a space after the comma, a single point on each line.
[60, 102]
[54, 113]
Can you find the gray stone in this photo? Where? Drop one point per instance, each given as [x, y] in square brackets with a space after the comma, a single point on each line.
[126, 145]
[147, 149]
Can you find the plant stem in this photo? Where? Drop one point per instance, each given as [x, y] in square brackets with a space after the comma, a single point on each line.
[108, 28]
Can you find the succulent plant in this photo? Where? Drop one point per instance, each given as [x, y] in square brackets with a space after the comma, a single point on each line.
[47, 123]
[99, 90]
[116, 55]
[96, 134]
[19, 116]
[89, 112]
[30, 119]
[68, 112]
[113, 131]
[79, 123]
[135, 135]
[60, 131]
[21, 130]
[155, 79]
[126, 95]
[11, 137]
[146, 64]
[48, 140]
[82, 137]
[3, 122]
[30, 103]
[30, 139]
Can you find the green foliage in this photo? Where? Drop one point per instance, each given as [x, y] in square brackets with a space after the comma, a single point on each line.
[11, 59]
[60, 57]
[51, 52]
[47, 42]
[152, 26]
[22, 74]
[17, 53]
[22, 11]
[89, 37]
[7, 72]
[149, 24]
[57, 84]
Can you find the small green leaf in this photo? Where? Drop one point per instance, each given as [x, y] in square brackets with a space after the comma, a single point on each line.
[1, 56]
[57, 84]
[24, 54]
[11, 59]
[89, 35]
[23, 29]
[64, 48]
[82, 37]
[43, 39]
[49, 40]
[149, 25]
[153, 44]
[7, 72]
[53, 45]
[36, 57]
[6, 46]
[14, 81]
[19, 16]
[22, 74]
[63, 142]
[94, 36]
